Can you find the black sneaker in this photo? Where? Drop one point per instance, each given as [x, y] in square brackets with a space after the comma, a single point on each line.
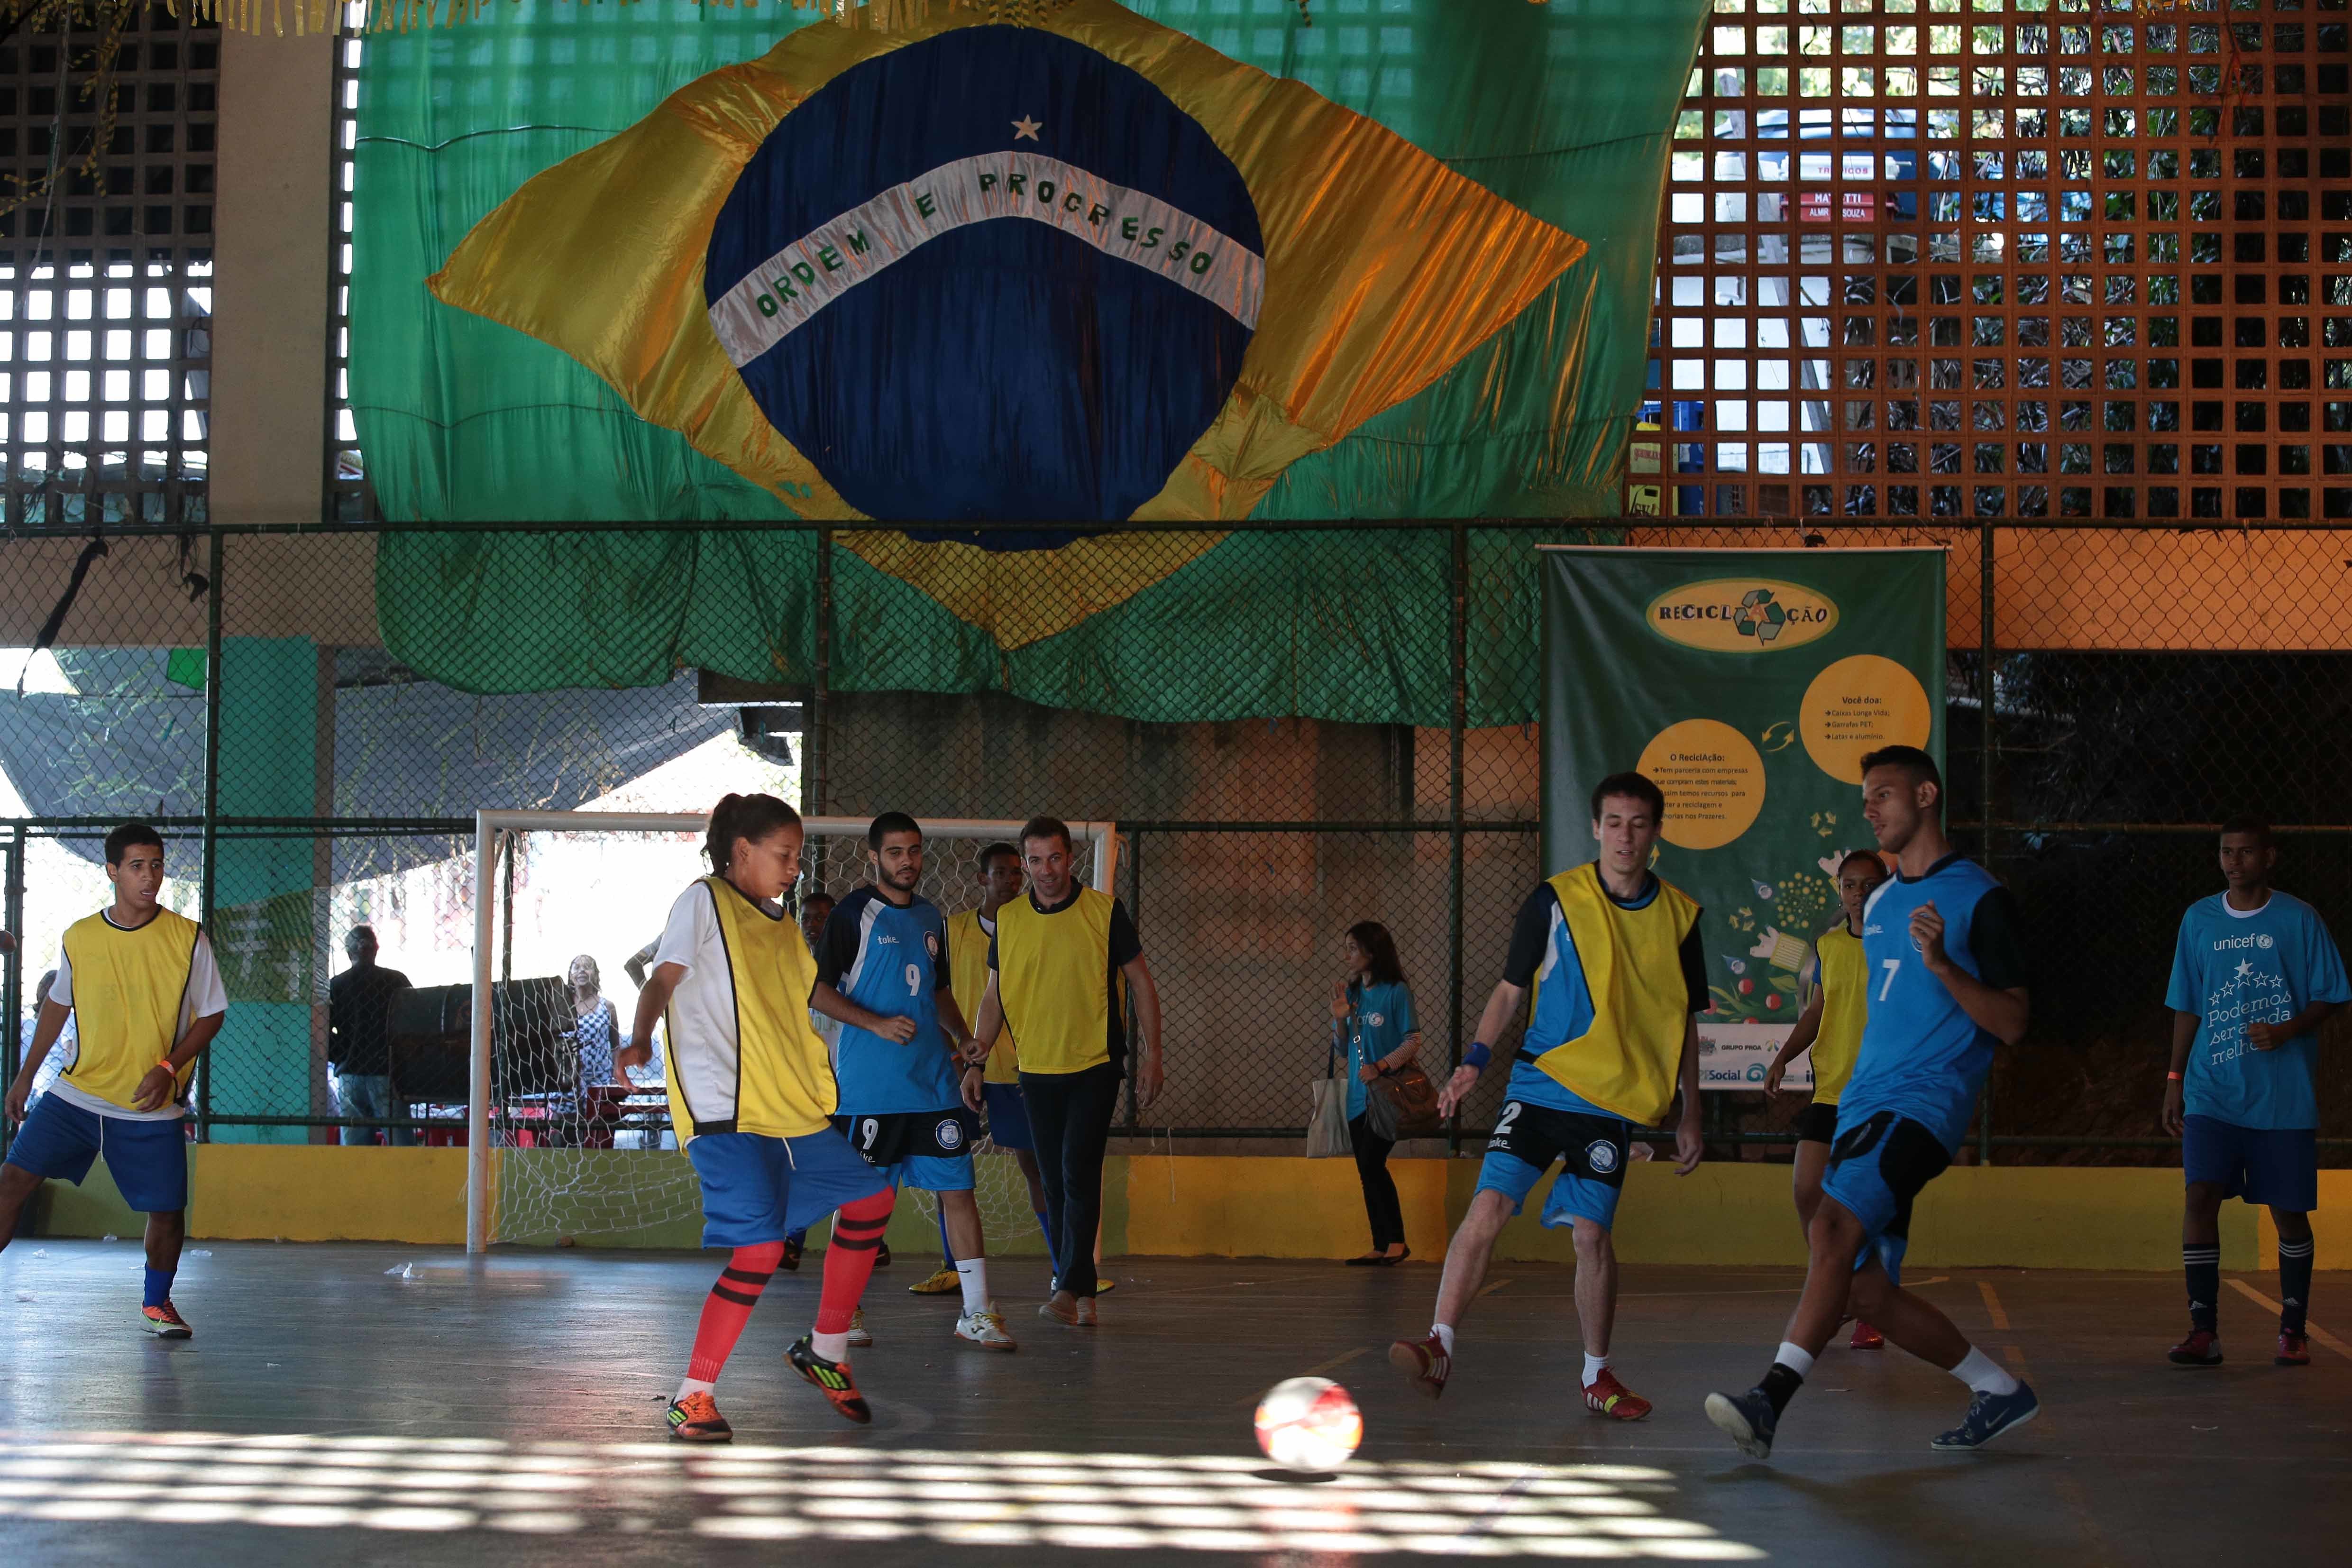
[1989, 1415]
[1749, 1421]
[831, 1379]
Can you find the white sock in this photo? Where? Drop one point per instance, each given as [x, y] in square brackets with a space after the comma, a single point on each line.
[694, 1385]
[1594, 1366]
[1794, 1357]
[1444, 1332]
[973, 1273]
[1984, 1374]
[833, 1347]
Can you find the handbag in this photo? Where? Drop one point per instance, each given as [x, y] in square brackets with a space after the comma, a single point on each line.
[1327, 1116]
[1403, 1104]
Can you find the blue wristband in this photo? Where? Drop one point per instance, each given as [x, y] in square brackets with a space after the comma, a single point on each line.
[1477, 1056]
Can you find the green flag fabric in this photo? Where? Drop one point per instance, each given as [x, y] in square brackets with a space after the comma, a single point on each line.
[1557, 117]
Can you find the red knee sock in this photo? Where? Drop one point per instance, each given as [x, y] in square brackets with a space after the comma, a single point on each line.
[849, 1261]
[728, 1307]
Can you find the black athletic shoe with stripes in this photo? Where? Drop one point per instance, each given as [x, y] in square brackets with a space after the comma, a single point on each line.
[831, 1379]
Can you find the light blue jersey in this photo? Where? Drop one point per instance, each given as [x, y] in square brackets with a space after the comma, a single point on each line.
[1379, 1025]
[1922, 1055]
[2232, 968]
[891, 961]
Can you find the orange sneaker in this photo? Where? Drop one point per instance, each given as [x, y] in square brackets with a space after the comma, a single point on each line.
[1607, 1396]
[1865, 1338]
[164, 1323]
[831, 1379]
[696, 1419]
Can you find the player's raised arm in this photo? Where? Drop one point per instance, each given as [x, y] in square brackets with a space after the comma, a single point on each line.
[660, 984]
[2003, 1012]
[1503, 1006]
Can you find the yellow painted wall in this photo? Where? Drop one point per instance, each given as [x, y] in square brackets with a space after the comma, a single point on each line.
[2020, 1216]
[260, 1192]
[1195, 1205]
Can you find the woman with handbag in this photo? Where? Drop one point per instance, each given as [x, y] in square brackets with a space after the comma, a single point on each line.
[1371, 1008]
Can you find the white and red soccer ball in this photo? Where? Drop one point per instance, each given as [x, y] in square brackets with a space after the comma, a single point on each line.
[1308, 1424]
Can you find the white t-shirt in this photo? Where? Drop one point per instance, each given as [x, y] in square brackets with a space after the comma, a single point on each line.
[206, 996]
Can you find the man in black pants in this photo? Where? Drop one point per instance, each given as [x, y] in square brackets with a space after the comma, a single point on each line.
[1055, 969]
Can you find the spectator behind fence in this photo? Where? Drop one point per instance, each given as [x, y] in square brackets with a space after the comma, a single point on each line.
[358, 1052]
[1372, 1009]
[596, 1033]
[61, 1056]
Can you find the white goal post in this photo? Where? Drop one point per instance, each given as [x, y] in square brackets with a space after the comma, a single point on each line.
[1100, 837]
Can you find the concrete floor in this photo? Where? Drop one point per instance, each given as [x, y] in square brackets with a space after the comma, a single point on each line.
[328, 1411]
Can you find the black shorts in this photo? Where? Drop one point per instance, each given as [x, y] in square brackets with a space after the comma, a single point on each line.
[1536, 1135]
[1817, 1123]
[1878, 1165]
[890, 1138]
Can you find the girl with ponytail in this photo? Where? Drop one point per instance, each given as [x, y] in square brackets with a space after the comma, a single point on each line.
[751, 1096]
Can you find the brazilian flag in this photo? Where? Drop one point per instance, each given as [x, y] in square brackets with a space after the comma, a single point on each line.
[1064, 262]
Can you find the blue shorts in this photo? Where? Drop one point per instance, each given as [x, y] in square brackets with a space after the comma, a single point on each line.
[756, 1188]
[1878, 1165]
[1008, 1117]
[930, 1172]
[148, 1160]
[2276, 1166]
[1525, 1141]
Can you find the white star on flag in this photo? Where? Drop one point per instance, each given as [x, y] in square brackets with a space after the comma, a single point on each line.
[1024, 126]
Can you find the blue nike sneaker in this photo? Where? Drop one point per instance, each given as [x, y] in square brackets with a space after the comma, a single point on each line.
[1990, 1415]
[1748, 1421]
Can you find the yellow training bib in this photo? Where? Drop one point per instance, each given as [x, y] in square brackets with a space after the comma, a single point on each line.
[1627, 1059]
[1054, 980]
[1844, 980]
[130, 1000]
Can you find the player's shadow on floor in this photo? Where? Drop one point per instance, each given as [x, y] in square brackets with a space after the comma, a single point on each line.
[1295, 1478]
[1901, 1505]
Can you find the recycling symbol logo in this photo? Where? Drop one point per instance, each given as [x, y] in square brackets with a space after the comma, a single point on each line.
[1759, 616]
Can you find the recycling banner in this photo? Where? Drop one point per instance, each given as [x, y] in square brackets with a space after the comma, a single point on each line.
[1748, 685]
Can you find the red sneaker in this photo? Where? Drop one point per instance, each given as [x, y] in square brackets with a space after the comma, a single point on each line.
[2201, 1348]
[2294, 1350]
[1424, 1363]
[1865, 1338]
[1607, 1396]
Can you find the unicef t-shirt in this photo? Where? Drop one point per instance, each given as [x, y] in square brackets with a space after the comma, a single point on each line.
[1381, 1020]
[2233, 967]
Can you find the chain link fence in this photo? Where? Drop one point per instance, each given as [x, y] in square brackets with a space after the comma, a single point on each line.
[313, 733]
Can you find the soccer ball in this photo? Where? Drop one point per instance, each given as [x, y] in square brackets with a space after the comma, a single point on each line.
[1308, 1424]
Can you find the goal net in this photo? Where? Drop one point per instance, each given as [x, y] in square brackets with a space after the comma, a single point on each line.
[565, 902]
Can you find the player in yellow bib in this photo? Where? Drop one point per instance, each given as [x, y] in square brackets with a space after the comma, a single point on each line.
[752, 1095]
[146, 998]
[1611, 951]
[1838, 983]
[969, 933]
[1062, 957]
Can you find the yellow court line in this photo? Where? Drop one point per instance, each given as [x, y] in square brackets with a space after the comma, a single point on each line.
[1992, 1306]
[1490, 1289]
[1342, 1359]
[2311, 1330]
